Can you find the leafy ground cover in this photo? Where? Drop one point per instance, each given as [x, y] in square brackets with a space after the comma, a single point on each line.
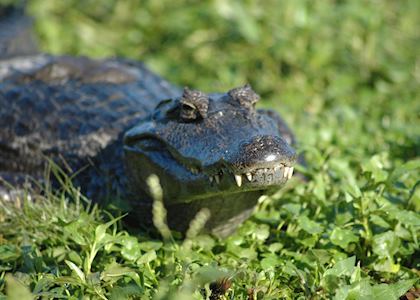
[344, 74]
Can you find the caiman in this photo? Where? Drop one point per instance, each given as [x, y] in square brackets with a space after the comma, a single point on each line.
[115, 123]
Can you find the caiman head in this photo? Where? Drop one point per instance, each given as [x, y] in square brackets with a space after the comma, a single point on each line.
[216, 151]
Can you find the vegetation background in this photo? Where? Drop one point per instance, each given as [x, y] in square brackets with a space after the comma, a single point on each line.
[344, 74]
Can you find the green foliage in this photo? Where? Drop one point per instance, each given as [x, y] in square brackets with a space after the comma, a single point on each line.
[347, 74]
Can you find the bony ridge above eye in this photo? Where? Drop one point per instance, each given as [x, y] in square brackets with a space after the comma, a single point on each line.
[193, 105]
[245, 95]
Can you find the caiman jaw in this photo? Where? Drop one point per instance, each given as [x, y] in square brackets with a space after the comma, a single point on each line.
[279, 171]
[278, 174]
[258, 163]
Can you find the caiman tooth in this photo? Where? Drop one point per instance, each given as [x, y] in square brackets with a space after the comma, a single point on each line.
[238, 179]
[276, 168]
[249, 176]
[290, 173]
[286, 172]
[217, 178]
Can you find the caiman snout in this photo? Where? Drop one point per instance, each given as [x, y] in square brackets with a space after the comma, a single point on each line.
[264, 160]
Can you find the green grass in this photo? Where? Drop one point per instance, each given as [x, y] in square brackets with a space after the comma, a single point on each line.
[344, 74]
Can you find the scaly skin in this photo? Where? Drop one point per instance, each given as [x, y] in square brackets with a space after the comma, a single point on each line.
[72, 110]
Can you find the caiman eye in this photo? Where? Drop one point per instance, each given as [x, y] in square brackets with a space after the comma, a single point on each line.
[193, 105]
[188, 112]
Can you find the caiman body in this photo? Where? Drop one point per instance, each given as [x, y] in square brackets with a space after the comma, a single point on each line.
[115, 123]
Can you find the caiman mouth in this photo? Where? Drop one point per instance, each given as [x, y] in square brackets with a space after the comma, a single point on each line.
[265, 176]
[277, 174]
